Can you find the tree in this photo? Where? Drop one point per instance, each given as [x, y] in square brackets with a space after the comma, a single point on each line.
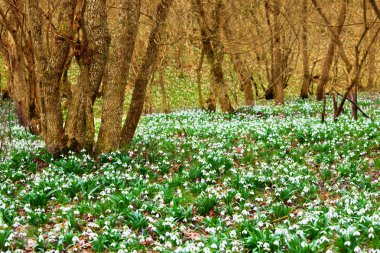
[122, 48]
[50, 56]
[16, 50]
[150, 58]
[331, 49]
[305, 52]
[91, 53]
[213, 49]
[277, 55]
[79, 29]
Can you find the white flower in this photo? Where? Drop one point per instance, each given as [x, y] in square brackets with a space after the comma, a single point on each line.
[357, 249]
[356, 233]
[75, 239]
[371, 236]
[347, 243]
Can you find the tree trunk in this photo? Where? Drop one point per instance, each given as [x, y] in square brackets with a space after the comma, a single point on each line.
[240, 65]
[330, 53]
[150, 58]
[92, 58]
[50, 68]
[277, 55]
[213, 50]
[120, 59]
[305, 52]
[18, 57]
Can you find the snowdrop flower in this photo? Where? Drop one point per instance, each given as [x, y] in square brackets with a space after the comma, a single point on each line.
[347, 243]
[266, 246]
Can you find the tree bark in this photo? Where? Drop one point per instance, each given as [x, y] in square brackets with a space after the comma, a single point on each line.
[240, 64]
[150, 58]
[305, 52]
[18, 56]
[92, 57]
[120, 59]
[277, 55]
[330, 53]
[50, 68]
[213, 50]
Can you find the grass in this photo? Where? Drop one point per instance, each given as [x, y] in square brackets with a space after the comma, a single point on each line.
[263, 179]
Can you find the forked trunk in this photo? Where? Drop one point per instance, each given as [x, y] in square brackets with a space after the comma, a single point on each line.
[92, 55]
[50, 59]
[120, 58]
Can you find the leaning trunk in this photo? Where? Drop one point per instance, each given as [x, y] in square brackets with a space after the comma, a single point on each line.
[150, 58]
[330, 55]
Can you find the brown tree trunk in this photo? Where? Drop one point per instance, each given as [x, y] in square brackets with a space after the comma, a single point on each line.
[18, 56]
[331, 52]
[213, 50]
[305, 52]
[91, 54]
[150, 58]
[269, 65]
[122, 48]
[240, 64]
[277, 55]
[50, 68]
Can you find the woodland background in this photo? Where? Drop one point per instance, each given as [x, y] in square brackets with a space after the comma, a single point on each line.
[68, 63]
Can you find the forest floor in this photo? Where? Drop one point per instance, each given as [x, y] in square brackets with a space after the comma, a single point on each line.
[263, 179]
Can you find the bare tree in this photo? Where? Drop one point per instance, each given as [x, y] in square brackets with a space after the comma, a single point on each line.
[213, 50]
[150, 58]
[305, 52]
[122, 48]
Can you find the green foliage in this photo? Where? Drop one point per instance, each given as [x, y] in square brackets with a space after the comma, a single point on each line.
[265, 179]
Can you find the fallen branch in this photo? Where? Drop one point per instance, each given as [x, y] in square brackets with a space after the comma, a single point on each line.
[352, 102]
